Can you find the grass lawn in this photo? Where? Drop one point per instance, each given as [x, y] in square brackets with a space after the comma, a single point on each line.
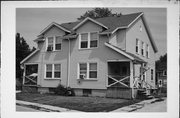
[86, 104]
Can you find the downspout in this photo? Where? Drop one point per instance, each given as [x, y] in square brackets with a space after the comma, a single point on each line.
[69, 61]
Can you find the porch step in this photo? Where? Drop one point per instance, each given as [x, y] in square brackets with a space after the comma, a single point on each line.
[142, 94]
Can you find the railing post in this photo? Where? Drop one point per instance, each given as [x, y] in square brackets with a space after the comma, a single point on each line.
[131, 74]
[24, 74]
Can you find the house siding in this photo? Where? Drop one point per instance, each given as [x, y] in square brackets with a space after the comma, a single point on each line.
[118, 39]
[101, 55]
[134, 32]
[56, 57]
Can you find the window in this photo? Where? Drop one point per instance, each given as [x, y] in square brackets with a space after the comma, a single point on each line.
[93, 39]
[142, 48]
[83, 70]
[53, 71]
[93, 70]
[87, 70]
[58, 43]
[84, 40]
[54, 43]
[147, 51]
[152, 73]
[49, 71]
[137, 46]
[164, 73]
[50, 44]
[88, 40]
[57, 71]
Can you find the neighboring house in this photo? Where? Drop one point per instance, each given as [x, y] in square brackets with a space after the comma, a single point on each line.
[161, 74]
[110, 56]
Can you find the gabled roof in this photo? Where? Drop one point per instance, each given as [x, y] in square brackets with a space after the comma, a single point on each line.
[126, 54]
[29, 56]
[54, 24]
[86, 19]
[111, 25]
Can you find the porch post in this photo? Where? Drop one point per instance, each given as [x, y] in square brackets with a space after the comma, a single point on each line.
[131, 74]
[24, 74]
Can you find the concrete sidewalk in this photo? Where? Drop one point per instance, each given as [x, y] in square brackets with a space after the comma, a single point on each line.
[142, 105]
[42, 107]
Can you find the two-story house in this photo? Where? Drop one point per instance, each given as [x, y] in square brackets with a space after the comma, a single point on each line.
[109, 56]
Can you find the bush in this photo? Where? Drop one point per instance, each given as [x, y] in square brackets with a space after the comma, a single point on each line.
[64, 91]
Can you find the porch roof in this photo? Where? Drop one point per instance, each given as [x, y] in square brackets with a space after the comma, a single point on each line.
[126, 54]
[29, 56]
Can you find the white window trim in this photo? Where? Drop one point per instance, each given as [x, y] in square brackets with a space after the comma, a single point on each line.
[143, 47]
[88, 63]
[152, 75]
[54, 43]
[52, 71]
[89, 40]
[138, 45]
[148, 56]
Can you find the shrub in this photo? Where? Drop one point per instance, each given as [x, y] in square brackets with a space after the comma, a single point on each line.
[64, 91]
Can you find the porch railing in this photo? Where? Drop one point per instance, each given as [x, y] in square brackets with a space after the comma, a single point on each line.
[123, 81]
[31, 79]
[138, 83]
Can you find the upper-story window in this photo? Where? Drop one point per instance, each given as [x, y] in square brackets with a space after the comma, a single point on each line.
[152, 74]
[142, 51]
[84, 40]
[88, 40]
[93, 39]
[58, 43]
[147, 51]
[137, 46]
[54, 43]
[142, 48]
[50, 43]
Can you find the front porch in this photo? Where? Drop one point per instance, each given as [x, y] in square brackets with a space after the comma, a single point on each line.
[125, 78]
[30, 78]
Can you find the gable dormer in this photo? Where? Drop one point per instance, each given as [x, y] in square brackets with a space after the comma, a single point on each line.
[52, 37]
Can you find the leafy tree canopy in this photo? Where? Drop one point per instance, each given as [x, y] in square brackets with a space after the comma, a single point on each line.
[98, 13]
[162, 62]
[22, 51]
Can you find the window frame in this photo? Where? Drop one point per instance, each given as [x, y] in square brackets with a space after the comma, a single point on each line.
[142, 48]
[53, 71]
[137, 46]
[47, 43]
[57, 43]
[89, 40]
[152, 74]
[88, 71]
[147, 50]
[54, 43]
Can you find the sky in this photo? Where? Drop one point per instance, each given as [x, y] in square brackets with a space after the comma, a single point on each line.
[31, 21]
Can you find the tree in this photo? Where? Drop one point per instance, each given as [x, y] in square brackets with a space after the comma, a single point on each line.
[22, 51]
[162, 62]
[98, 13]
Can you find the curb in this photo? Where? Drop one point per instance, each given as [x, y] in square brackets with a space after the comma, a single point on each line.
[136, 106]
[41, 107]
